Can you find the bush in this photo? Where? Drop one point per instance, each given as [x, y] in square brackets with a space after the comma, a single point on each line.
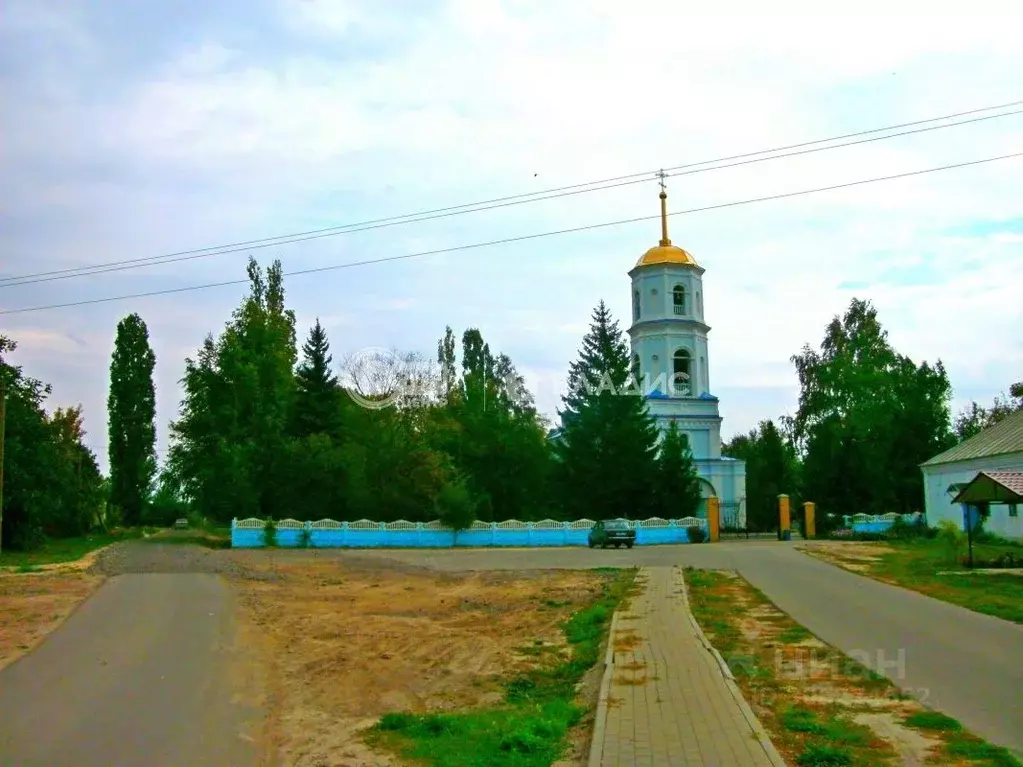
[456, 508]
[269, 534]
[696, 534]
[953, 540]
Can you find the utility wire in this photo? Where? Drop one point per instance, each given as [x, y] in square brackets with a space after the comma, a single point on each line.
[520, 238]
[501, 202]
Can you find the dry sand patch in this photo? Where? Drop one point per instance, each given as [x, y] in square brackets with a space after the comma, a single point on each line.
[34, 604]
[347, 642]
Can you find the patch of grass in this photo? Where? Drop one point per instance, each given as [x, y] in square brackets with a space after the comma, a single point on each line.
[794, 635]
[915, 564]
[965, 746]
[823, 755]
[60, 550]
[530, 728]
[932, 720]
[525, 736]
[808, 733]
[799, 719]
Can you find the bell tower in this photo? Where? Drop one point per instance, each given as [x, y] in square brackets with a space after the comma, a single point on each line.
[670, 356]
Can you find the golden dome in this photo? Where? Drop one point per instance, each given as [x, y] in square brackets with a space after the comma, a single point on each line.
[664, 252]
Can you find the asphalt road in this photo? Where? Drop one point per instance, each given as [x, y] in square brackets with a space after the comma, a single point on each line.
[140, 675]
[968, 665]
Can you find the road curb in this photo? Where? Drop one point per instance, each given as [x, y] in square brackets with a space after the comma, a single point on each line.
[600, 718]
[733, 688]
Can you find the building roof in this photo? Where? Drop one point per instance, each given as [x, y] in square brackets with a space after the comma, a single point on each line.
[664, 252]
[667, 254]
[1006, 436]
[993, 487]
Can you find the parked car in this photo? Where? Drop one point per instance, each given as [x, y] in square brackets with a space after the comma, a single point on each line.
[181, 524]
[612, 532]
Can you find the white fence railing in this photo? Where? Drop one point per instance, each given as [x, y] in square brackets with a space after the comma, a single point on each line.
[654, 523]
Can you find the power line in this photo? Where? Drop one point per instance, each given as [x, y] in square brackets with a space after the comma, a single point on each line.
[501, 202]
[519, 238]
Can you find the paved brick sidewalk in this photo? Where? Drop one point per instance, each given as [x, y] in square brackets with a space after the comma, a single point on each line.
[670, 703]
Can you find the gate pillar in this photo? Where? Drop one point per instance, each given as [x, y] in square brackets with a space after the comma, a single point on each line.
[784, 518]
[713, 519]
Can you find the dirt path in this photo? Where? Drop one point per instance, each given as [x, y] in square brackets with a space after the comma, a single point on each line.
[146, 672]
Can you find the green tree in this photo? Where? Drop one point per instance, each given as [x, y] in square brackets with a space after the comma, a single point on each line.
[973, 418]
[52, 484]
[168, 503]
[318, 393]
[772, 468]
[489, 427]
[677, 488]
[867, 418]
[970, 420]
[230, 444]
[606, 459]
[446, 363]
[131, 418]
[456, 508]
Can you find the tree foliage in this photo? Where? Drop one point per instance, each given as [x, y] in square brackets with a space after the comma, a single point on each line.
[772, 468]
[608, 449]
[974, 418]
[677, 483]
[131, 419]
[261, 433]
[52, 483]
[868, 417]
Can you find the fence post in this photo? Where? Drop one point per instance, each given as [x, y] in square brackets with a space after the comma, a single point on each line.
[810, 514]
[713, 519]
[784, 518]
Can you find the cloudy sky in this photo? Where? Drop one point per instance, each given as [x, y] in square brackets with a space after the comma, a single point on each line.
[130, 130]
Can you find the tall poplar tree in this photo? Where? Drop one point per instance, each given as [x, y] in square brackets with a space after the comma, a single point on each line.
[131, 411]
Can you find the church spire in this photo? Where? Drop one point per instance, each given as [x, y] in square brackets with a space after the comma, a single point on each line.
[664, 210]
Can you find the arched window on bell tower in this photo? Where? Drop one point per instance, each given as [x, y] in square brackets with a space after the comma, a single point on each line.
[681, 380]
[636, 369]
[635, 306]
[678, 295]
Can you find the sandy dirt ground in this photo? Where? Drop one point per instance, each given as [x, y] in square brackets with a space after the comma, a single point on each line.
[34, 604]
[346, 642]
[852, 555]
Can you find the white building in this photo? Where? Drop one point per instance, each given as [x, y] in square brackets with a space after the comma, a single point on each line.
[998, 448]
[671, 360]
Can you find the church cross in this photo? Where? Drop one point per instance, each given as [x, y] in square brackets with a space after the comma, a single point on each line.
[662, 175]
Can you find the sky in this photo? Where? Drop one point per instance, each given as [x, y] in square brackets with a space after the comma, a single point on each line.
[131, 130]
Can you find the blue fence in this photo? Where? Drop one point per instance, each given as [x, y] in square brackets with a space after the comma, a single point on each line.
[328, 533]
[866, 523]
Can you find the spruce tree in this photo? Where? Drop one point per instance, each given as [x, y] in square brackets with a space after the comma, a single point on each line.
[131, 406]
[609, 441]
[317, 395]
[678, 483]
